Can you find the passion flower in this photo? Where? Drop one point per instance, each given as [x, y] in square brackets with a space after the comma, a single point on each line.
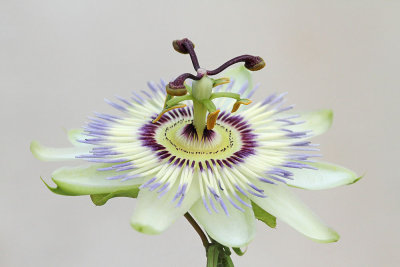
[193, 149]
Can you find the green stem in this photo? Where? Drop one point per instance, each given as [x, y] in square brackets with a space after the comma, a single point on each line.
[217, 255]
[196, 227]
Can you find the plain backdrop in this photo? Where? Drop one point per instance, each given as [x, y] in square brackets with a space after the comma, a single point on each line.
[60, 59]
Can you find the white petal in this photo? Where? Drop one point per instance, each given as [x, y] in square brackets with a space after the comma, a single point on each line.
[235, 230]
[153, 215]
[327, 176]
[285, 206]
[318, 121]
[87, 180]
[56, 154]
[76, 134]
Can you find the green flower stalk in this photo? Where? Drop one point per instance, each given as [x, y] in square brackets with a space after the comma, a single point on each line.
[203, 150]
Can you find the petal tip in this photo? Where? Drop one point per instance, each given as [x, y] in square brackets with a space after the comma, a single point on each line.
[236, 242]
[36, 149]
[74, 135]
[326, 117]
[144, 229]
[328, 176]
[329, 117]
[332, 237]
[356, 179]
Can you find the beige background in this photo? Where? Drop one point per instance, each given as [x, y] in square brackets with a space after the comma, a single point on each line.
[59, 59]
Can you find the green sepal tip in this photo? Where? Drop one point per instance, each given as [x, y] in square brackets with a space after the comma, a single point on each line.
[101, 199]
[263, 215]
[239, 251]
[57, 190]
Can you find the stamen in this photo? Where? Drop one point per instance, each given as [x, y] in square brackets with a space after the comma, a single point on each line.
[212, 119]
[240, 102]
[166, 110]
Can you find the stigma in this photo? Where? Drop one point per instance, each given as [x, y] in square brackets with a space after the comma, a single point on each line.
[205, 113]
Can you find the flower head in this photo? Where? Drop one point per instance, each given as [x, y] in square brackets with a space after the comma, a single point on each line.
[194, 148]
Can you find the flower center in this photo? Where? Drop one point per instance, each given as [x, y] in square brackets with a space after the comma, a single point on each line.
[175, 137]
[181, 139]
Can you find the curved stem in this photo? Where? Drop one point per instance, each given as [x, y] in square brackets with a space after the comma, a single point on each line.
[190, 49]
[180, 80]
[243, 58]
[196, 227]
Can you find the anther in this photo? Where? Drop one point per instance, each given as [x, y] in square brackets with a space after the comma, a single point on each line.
[212, 119]
[237, 104]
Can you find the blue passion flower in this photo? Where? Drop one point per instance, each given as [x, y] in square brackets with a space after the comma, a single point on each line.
[203, 148]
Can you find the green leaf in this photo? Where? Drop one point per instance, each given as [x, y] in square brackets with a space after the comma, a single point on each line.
[263, 216]
[101, 199]
[239, 252]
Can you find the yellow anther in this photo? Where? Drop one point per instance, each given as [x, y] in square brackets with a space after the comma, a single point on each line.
[212, 119]
[240, 102]
[166, 110]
